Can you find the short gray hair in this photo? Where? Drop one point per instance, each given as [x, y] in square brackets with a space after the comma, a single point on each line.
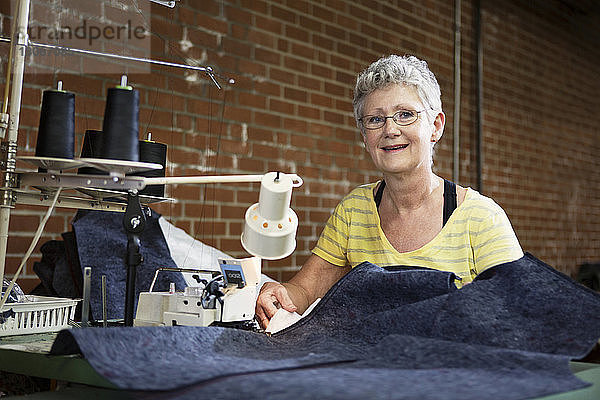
[408, 70]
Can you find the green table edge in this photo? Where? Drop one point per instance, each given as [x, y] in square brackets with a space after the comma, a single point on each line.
[587, 372]
[71, 368]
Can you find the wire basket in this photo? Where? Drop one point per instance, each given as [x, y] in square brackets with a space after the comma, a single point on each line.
[38, 314]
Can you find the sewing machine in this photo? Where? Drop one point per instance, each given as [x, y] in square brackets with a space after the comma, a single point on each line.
[225, 297]
[269, 233]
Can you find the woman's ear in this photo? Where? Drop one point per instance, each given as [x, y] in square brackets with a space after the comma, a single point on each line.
[438, 126]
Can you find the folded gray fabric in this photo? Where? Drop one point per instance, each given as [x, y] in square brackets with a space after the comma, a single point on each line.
[390, 334]
[102, 245]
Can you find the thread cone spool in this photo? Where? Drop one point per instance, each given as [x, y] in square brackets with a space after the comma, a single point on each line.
[153, 152]
[270, 228]
[91, 148]
[56, 133]
[120, 125]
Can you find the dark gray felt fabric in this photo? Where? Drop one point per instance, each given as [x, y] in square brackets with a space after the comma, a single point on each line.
[102, 245]
[59, 271]
[395, 334]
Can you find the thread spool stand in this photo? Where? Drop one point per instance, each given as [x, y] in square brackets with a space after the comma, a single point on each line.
[134, 222]
[98, 173]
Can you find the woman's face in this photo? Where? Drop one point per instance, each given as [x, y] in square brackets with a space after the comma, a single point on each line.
[400, 149]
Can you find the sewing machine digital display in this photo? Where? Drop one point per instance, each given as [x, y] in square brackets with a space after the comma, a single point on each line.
[233, 273]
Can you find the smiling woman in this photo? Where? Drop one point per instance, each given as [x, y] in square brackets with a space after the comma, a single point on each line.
[411, 216]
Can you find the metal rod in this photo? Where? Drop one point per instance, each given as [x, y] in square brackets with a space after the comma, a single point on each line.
[38, 199]
[172, 269]
[133, 261]
[167, 3]
[170, 180]
[19, 42]
[80, 181]
[8, 72]
[117, 56]
[208, 70]
[104, 323]
[85, 308]
[211, 75]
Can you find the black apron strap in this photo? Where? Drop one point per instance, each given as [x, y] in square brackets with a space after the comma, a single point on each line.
[449, 199]
[379, 193]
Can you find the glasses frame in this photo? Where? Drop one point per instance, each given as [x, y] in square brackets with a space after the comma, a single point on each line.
[392, 117]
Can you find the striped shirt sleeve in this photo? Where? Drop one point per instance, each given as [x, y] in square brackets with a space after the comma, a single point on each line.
[493, 239]
[333, 241]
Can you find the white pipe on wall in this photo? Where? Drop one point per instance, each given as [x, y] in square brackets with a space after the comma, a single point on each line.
[19, 43]
[457, 71]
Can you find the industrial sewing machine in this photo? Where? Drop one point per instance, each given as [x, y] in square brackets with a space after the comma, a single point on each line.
[229, 297]
[225, 297]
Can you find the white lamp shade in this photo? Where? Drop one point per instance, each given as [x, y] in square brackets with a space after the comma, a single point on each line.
[269, 239]
[270, 228]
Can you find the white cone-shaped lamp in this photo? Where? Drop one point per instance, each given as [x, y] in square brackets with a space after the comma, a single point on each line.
[270, 228]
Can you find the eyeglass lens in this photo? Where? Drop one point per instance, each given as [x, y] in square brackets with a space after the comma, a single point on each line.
[402, 117]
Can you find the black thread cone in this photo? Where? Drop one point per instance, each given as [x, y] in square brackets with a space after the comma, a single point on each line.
[91, 148]
[153, 152]
[120, 126]
[56, 133]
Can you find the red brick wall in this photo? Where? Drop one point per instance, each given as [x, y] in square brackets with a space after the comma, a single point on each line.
[294, 63]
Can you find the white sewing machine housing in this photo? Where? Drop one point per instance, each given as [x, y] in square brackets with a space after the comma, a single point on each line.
[220, 298]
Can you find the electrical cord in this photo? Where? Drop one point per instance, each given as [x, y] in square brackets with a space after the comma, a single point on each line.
[212, 291]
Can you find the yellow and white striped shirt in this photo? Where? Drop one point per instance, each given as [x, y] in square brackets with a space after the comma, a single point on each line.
[477, 236]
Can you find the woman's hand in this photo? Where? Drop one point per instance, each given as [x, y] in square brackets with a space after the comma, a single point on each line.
[272, 294]
[312, 281]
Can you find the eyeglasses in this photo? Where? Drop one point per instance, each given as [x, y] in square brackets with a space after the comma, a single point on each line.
[402, 118]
